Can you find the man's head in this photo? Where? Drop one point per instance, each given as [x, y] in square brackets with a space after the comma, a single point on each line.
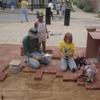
[33, 33]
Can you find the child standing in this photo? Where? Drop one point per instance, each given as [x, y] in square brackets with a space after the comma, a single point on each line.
[42, 29]
[67, 50]
[24, 6]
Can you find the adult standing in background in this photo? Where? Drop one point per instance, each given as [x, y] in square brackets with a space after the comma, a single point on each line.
[24, 6]
[63, 8]
[4, 4]
[50, 5]
[58, 7]
[1, 4]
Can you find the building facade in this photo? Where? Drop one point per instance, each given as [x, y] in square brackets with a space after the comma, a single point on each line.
[9, 3]
[38, 3]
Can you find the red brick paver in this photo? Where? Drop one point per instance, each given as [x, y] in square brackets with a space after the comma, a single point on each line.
[38, 75]
[28, 69]
[94, 86]
[59, 73]
[7, 53]
[3, 76]
[10, 52]
[69, 76]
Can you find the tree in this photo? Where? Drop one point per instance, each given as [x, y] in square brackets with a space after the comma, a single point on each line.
[69, 3]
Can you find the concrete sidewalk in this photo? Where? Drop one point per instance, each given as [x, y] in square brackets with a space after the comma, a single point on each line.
[13, 33]
[17, 10]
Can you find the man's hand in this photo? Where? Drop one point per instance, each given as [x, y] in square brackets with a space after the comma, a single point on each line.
[37, 57]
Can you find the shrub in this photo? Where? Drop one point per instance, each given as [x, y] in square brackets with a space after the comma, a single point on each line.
[81, 5]
[98, 11]
[75, 2]
[85, 6]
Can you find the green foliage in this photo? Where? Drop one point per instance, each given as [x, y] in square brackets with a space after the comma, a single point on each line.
[85, 6]
[81, 5]
[75, 2]
[69, 4]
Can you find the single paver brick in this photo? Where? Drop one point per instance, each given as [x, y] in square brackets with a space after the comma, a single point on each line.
[51, 69]
[38, 75]
[3, 68]
[3, 76]
[59, 73]
[69, 76]
[28, 70]
[93, 86]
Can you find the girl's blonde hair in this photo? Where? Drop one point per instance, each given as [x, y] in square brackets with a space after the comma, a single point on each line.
[69, 36]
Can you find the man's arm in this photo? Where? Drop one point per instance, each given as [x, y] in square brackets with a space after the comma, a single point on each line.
[25, 47]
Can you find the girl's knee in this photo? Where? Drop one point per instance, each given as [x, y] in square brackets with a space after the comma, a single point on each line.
[72, 65]
[62, 68]
[62, 65]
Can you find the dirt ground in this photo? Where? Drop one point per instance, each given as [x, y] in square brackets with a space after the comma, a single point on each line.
[22, 86]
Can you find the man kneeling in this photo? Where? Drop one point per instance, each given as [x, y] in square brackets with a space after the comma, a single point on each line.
[33, 54]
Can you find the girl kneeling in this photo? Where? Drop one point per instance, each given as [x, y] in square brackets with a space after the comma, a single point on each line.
[67, 49]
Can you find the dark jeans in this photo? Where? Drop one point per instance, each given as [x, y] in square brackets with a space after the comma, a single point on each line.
[1, 4]
[51, 14]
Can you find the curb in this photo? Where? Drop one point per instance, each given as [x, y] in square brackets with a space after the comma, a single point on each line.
[14, 11]
[18, 11]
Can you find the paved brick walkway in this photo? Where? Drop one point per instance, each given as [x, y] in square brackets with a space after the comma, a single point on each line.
[8, 52]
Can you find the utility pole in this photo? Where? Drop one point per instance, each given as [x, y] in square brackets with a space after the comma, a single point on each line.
[31, 5]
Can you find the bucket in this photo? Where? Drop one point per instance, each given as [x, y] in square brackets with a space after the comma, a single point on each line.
[14, 66]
